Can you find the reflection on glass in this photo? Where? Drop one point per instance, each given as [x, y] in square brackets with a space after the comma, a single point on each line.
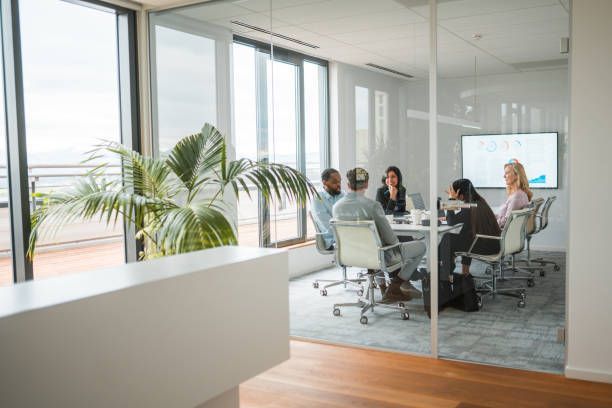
[362, 125]
[282, 143]
[480, 91]
[71, 103]
[186, 86]
[245, 130]
[315, 120]
[6, 264]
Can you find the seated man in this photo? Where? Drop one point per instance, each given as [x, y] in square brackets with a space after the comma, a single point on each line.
[322, 207]
[356, 207]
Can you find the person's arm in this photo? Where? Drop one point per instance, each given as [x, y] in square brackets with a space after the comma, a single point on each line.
[322, 217]
[514, 202]
[453, 217]
[400, 204]
[387, 236]
[382, 196]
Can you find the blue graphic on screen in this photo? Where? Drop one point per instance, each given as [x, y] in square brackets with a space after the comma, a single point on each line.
[484, 157]
[538, 180]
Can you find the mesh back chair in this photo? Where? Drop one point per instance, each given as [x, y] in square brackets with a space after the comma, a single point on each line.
[511, 241]
[531, 228]
[358, 244]
[324, 250]
[543, 218]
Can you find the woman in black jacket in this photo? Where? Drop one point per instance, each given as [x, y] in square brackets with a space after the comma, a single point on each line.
[476, 220]
[392, 196]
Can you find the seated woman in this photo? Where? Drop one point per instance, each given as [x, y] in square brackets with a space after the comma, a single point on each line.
[476, 220]
[517, 190]
[392, 196]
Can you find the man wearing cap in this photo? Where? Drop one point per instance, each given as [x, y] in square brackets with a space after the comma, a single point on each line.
[356, 207]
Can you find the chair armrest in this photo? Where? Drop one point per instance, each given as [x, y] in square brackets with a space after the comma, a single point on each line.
[388, 247]
[481, 236]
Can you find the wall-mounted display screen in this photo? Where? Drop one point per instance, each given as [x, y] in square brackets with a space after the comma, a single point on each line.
[484, 156]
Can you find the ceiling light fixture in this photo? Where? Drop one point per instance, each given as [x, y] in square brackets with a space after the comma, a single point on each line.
[369, 64]
[272, 33]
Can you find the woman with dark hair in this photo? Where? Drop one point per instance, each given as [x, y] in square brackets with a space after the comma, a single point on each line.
[476, 220]
[392, 196]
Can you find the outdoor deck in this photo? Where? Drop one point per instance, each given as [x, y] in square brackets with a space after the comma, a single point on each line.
[79, 255]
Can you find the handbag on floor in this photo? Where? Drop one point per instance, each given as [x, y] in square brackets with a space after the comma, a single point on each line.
[460, 293]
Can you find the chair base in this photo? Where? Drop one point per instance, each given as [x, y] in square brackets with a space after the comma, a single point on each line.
[368, 303]
[355, 283]
[490, 286]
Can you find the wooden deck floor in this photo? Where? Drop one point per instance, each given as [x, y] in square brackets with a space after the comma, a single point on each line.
[319, 375]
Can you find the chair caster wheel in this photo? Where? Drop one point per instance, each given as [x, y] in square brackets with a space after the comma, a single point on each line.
[521, 304]
[557, 268]
[488, 271]
[363, 320]
[323, 292]
[400, 305]
[315, 285]
[530, 283]
[360, 292]
[479, 301]
[336, 311]
[542, 273]
[405, 316]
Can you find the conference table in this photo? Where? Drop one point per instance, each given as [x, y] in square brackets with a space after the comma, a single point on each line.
[406, 229]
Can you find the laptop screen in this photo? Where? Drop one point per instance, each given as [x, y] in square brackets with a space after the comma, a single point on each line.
[415, 201]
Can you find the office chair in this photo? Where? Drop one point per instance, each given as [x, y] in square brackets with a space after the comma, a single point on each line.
[511, 241]
[531, 228]
[543, 218]
[323, 250]
[358, 244]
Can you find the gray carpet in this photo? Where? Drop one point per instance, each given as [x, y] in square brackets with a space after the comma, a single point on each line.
[499, 334]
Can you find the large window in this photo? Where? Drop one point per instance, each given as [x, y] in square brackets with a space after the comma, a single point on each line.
[66, 91]
[280, 115]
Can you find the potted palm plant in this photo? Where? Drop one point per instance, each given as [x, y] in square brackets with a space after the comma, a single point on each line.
[175, 203]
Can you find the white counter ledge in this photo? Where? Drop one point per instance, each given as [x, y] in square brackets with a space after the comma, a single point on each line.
[176, 331]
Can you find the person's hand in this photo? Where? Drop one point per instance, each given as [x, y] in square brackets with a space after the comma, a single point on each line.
[452, 194]
[393, 193]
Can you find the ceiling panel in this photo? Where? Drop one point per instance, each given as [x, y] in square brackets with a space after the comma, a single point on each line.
[394, 33]
[333, 10]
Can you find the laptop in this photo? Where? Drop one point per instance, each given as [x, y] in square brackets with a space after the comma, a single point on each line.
[414, 201]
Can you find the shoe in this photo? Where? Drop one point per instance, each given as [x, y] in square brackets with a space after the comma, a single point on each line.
[407, 289]
[393, 294]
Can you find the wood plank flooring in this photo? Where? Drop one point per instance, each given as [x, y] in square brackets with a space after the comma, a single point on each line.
[319, 375]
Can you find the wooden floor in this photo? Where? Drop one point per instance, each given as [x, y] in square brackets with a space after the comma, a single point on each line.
[319, 375]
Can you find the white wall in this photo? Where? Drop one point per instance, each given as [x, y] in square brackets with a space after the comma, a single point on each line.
[589, 348]
[344, 79]
[542, 95]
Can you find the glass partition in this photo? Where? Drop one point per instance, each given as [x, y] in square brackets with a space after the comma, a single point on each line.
[72, 104]
[6, 251]
[502, 105]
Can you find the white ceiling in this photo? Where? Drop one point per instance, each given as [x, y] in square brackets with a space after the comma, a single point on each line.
[515, 34]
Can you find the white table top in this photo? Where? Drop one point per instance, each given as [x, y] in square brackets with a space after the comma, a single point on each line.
[423, 229]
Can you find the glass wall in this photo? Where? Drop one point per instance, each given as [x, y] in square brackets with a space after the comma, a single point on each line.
[270, 102]
[71, 105]
[64, 94]
[503, 107]
[498, 72]
[6, 251]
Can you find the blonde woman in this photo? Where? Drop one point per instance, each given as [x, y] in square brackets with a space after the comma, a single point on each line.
[517, 189]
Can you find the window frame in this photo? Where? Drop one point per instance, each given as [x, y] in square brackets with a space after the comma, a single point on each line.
[16, 137]
[297, 59]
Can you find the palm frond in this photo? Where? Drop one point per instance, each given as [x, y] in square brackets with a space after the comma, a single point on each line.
[196, 155]
[144, 175]
[191, 228]
[271, 179]
[89, 198]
